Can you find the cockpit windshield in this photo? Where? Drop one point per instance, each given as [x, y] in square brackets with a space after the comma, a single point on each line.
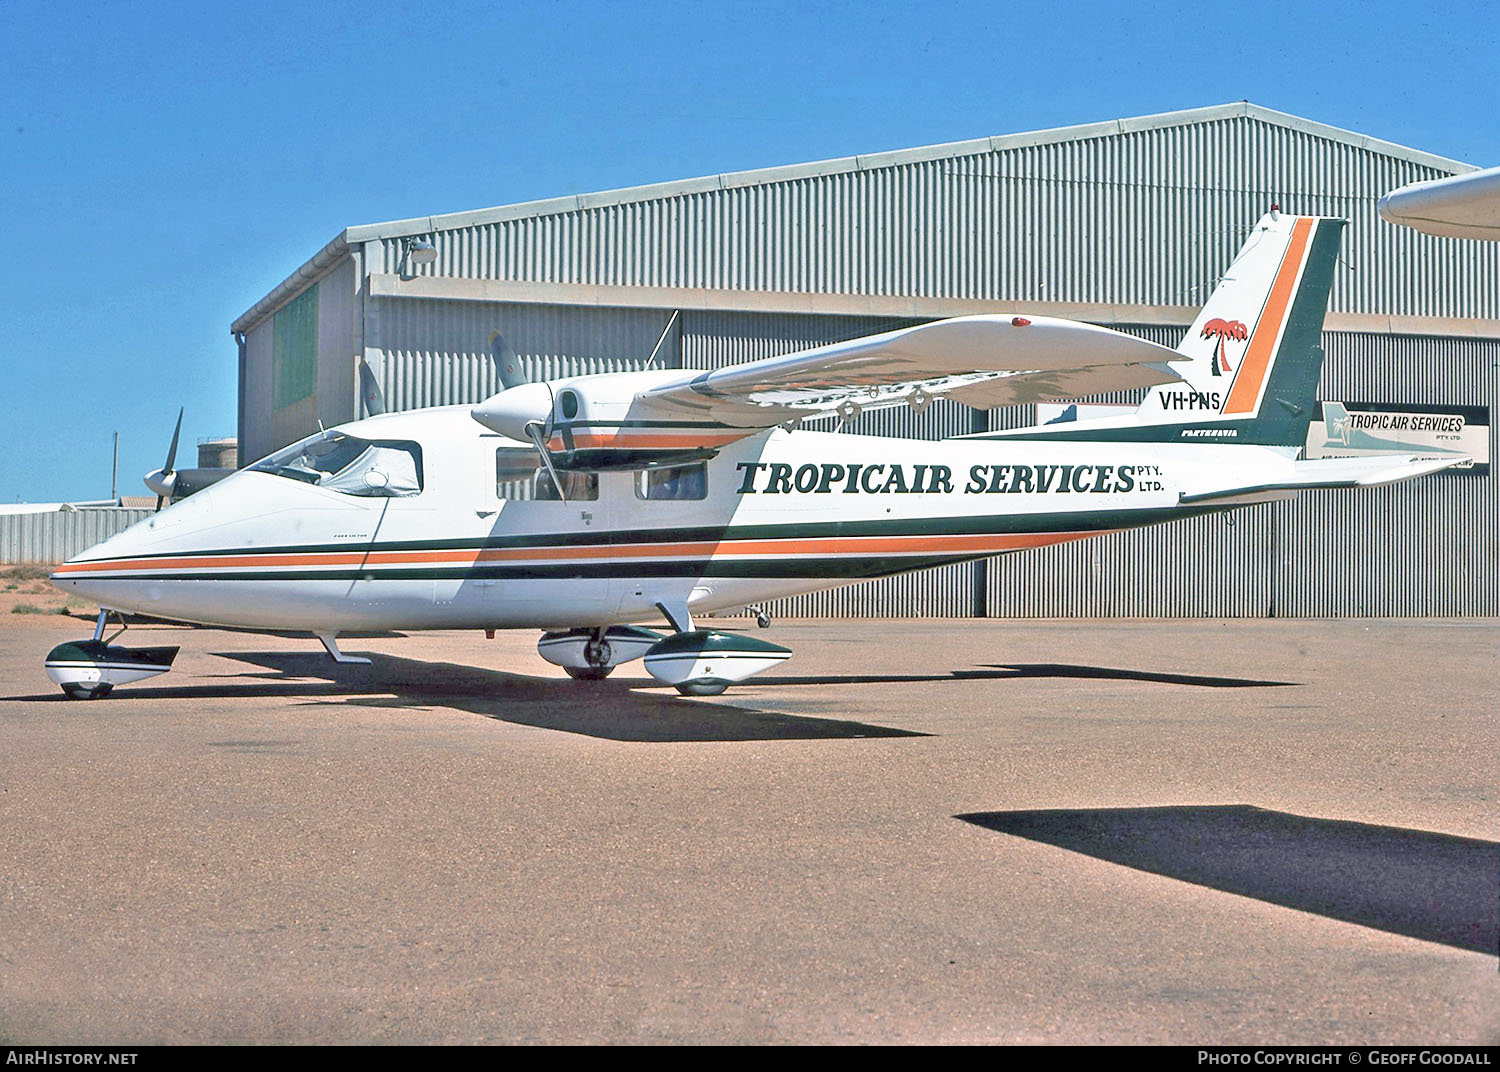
[344, 463]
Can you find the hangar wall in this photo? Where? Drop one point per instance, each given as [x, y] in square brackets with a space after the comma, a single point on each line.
[1126, 223]
[1140, 212]
[265, 426]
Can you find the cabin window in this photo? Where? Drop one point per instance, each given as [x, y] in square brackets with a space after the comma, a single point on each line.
[679, 482]
[373, 468]
[520, 475]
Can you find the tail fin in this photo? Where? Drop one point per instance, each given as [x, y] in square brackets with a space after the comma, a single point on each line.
[1255, 347]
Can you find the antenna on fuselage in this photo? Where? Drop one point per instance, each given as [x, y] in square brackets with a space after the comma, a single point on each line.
[651, 361]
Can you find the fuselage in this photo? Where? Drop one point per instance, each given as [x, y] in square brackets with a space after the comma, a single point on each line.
[459, 538]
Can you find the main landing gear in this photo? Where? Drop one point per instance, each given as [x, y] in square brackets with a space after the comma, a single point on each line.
[592, 654]
[696, 662]
[90, 669]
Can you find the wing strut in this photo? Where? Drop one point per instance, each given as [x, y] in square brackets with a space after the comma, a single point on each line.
[676, 612]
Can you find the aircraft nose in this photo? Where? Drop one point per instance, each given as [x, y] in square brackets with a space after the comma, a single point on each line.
[91, 574]
[111, 573]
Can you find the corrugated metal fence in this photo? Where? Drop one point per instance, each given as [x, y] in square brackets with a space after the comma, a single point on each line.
[59, 534]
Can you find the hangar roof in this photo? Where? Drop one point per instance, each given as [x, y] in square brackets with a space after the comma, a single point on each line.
[421, 225]
[871, 161]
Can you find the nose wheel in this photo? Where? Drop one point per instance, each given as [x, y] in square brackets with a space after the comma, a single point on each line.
[87, 692]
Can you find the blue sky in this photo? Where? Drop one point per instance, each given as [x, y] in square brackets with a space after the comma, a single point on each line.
[164, 165]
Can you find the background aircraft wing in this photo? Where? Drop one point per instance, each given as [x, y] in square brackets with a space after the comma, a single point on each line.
[980, 361]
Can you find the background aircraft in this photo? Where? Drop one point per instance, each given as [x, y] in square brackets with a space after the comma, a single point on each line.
[1459, 206]
[170, 483]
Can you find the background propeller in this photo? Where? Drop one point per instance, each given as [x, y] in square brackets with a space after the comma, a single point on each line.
[163, 481]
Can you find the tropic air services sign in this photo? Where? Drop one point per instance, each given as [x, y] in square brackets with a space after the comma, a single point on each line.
[1359, 429]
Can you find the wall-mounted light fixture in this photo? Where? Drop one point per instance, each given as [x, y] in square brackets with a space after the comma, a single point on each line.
[415, 251]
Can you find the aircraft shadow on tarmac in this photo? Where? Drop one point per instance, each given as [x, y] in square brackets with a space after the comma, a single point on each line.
[1015, 672]
[622, 709]
[1118, 674]
[1416, 883]
[617, 710]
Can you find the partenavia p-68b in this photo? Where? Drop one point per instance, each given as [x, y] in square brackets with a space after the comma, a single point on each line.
[581, 506]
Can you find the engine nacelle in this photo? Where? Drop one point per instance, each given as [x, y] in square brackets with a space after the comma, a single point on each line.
[589, 424]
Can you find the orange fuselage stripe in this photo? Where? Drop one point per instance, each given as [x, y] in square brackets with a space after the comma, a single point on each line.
[1246, 390]
[861, 545]
[647, 440]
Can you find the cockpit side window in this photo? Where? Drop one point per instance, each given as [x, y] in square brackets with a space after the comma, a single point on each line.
[370, 468]
[519, 475]
[680, 483]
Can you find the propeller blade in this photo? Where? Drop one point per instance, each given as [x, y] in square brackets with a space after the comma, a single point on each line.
[507, 364]
[369, 390]
[172, 450]
[159, 500]
[534, 430]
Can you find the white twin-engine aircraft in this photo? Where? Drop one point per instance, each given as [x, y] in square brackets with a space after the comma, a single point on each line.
[583, 505]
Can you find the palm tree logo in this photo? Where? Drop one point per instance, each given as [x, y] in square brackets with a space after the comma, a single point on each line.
[1223, 329]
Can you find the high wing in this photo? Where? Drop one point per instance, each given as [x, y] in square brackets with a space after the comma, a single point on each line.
[980, 361]
[667, 416]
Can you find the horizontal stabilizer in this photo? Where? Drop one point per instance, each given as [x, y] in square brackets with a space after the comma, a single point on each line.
[1366, 472]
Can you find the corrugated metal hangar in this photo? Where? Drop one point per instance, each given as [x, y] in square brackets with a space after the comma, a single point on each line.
[1125, 223]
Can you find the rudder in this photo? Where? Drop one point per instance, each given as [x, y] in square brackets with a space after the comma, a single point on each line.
[1256, 345]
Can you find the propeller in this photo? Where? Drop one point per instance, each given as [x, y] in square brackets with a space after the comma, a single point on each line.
[507, 364]
[163, 481]
[540, 432]
[369, 390]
